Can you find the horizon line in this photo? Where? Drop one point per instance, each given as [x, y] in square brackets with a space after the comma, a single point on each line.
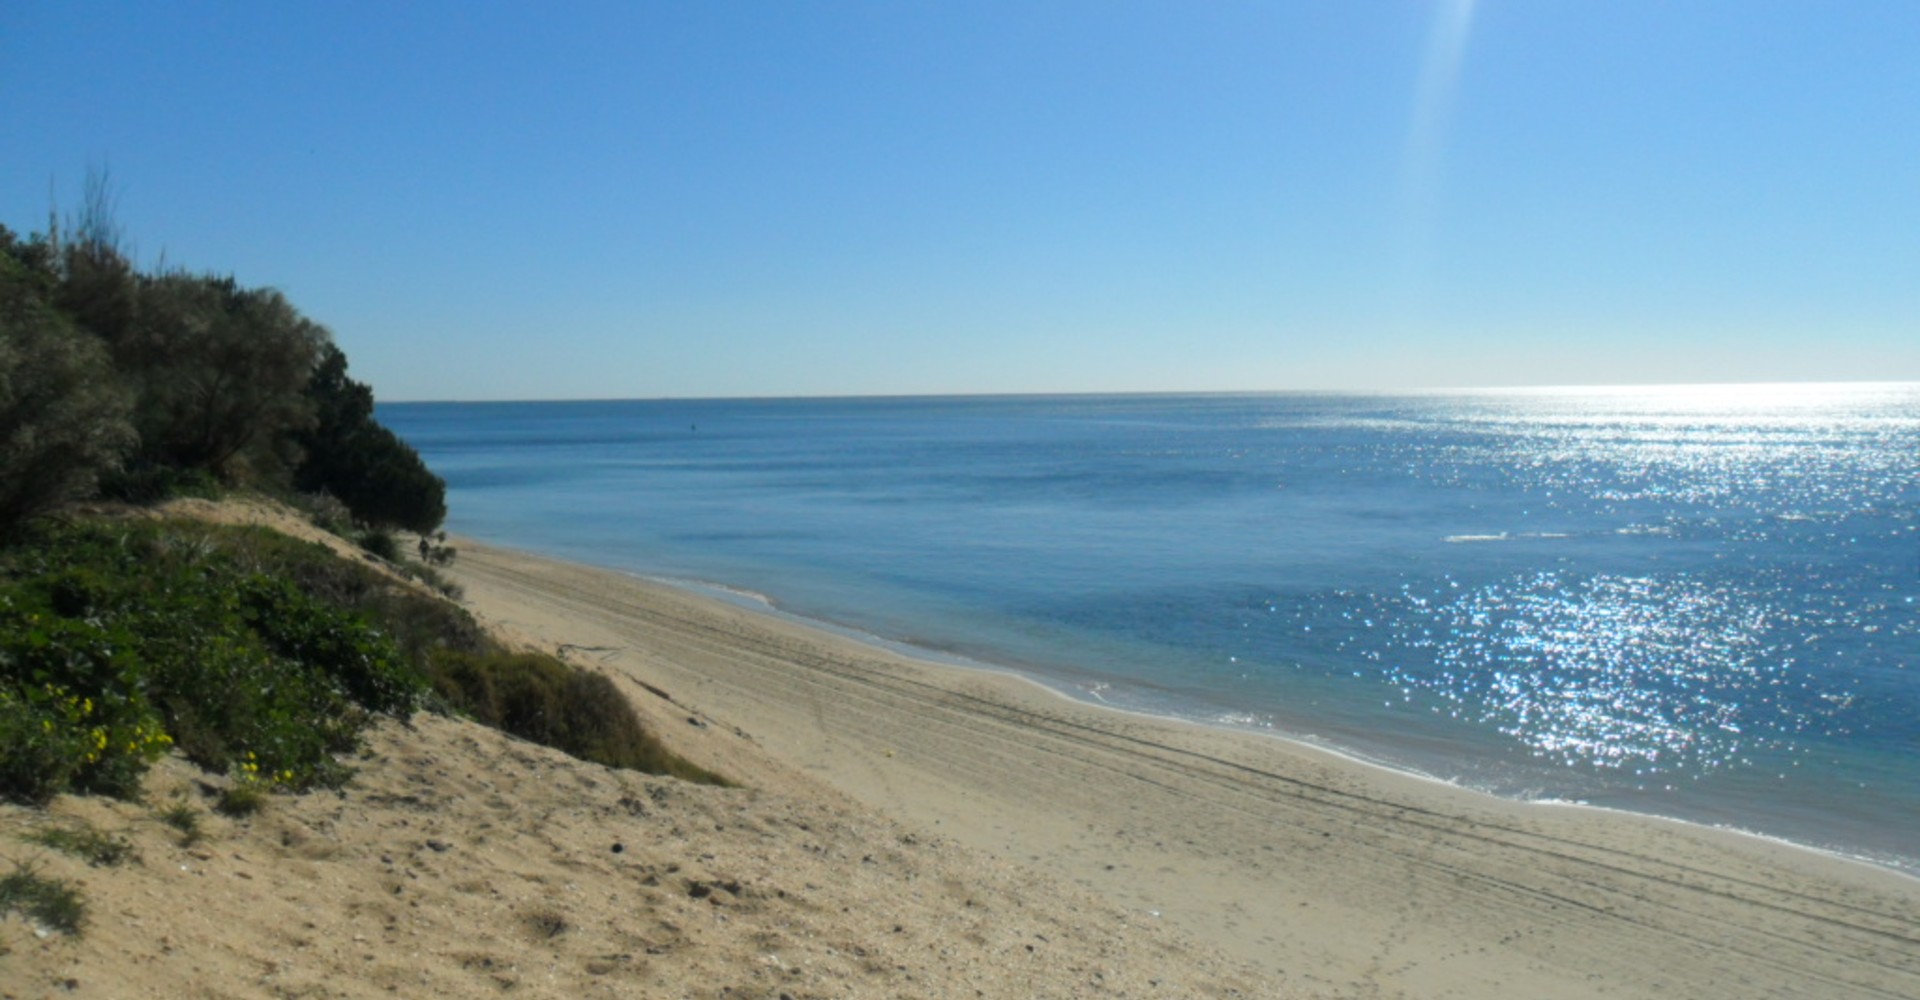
[1614, 387]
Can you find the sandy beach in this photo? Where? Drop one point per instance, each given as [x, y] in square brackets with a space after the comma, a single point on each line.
[909, 829]
[1337, 878]
[462, 862]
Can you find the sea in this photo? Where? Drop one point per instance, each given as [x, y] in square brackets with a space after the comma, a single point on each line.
[1700, 602]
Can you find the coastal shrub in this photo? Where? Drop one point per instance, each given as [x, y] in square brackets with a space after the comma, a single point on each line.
[437, 551]
[219, 370]
[118, 640]
[348, 454]
[539, 698]
[37, 755]
[435, 554]
[93, 279]
[192, 380]
[255, 655]
[64, 413]
[332, 640]
[439, 582]
[416, 624]
[380, 542]
[226, 697]
[521, 693]
[145, 481]
[324, 511]
[73, 707]
[423, 627]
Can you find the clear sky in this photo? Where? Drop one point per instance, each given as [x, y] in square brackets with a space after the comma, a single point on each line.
[510, 200]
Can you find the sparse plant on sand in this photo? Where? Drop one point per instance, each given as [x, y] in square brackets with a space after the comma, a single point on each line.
[248, 792]
[85, 842]
[240, 801]
[49, 902]
[182, 816]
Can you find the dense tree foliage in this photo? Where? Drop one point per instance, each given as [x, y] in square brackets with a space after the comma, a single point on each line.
[63, 411]
[366, 466]
[145, 381]
[223, 372]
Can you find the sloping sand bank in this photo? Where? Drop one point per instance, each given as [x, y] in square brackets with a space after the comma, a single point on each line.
[464, 863]
[460, 862]
[1342, 879]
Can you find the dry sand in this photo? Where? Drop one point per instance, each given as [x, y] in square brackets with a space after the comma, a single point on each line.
[915, 830]
[461, 862]
[1338, 878]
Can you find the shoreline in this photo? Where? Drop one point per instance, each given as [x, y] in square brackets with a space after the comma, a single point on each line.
[758, 602]
[1317, 865]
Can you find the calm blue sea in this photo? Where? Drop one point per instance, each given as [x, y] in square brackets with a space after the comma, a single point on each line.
[1696, 602]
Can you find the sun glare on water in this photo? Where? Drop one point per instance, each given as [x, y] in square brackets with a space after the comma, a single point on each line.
[1759, 402]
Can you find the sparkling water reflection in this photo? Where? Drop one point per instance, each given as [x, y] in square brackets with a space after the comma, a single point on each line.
[1644, 674]
[1692, 600]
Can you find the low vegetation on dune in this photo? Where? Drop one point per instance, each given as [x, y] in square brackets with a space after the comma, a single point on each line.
[255, 655]
[124, 639]
[539, 698]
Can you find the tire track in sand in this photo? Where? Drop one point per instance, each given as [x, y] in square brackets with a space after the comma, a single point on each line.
[1670, 908]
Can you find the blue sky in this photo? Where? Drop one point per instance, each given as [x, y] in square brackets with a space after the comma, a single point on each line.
[510, 200]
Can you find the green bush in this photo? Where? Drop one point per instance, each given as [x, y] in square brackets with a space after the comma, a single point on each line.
[146, 482]
[75, 713]
[220, 371]
[381, 542]
[542, 699]
[193, 379]
[334, 641]
[226, 699]
[433, 578]
[348, 454]
[64, 413]
[38, 753]
[255, 655]
[325, 511]
[116, 640]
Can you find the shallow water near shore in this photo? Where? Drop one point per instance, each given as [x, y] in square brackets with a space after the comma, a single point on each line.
[1698, 602]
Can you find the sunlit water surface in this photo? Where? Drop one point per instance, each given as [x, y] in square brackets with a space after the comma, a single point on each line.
[1693, 601]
